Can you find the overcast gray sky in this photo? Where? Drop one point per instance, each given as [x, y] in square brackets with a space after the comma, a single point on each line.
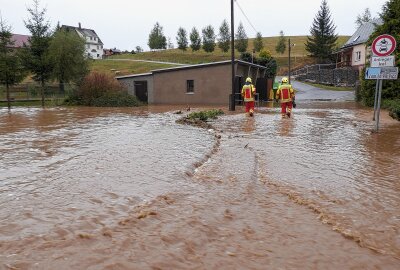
[127, 23]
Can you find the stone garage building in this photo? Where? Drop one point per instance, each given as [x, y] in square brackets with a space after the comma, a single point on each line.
[209, 83]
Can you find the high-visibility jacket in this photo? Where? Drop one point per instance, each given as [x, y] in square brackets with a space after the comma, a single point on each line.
[285, 93]
[248, 92]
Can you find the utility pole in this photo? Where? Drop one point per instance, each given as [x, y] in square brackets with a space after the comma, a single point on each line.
[290, 48]
[232, 98]
[290, 45]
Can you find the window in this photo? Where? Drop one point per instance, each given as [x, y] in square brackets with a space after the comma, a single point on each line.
[354, 40]
[87, 46]
[190, 86]
[98, 46]
[358, 56]
[91, 38]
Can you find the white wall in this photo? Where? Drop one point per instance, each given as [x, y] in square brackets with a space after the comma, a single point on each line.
[361, 50]
[95, 51]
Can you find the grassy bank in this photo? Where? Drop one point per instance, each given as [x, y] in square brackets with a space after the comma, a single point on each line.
[120, 68]
[299, 57]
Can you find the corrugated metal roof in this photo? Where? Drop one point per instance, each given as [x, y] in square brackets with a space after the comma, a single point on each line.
[363, 32]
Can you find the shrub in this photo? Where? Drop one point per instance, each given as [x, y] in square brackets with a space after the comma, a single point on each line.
[393, 106]
[101, 90]
[96, 85]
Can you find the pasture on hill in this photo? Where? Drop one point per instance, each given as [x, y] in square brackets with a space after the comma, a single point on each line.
[298, 56]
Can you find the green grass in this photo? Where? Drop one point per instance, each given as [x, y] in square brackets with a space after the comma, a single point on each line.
[205, 115]
[120, 68]
[330, 87]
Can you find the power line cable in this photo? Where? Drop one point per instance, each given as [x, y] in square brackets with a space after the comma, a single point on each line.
[244, 14]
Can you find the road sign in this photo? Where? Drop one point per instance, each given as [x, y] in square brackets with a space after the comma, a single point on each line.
[381, 73]
[382, 61]
[384, 45]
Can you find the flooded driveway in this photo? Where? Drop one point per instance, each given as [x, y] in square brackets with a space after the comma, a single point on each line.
[130, 189]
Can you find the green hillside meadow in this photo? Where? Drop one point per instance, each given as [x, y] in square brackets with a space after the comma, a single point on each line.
[298, 56]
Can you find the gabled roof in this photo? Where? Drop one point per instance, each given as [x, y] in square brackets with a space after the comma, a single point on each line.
[362, 34]
[19, 40]
[84, 32]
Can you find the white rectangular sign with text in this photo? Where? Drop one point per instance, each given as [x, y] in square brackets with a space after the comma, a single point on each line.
[382, 61]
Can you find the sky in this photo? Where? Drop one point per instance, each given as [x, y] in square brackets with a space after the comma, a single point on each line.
[125, 24]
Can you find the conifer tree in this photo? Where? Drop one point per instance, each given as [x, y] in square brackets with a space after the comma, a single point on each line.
[181, 39]
[11, 68]
[242, 41]
[258, 42]
[208, 36]
[224, 36]
[364, 18]
[323, 38]
[281, 45]
[157, 40]
[195, 40]
[36, 55]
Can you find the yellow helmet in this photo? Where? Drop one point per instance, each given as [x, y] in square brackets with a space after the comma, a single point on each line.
[285, 80]
[248, 80]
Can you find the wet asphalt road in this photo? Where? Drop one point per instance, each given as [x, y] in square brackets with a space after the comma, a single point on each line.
[308, 92]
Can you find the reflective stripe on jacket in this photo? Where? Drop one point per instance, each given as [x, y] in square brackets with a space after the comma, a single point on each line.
[248, 92]
[285, 93]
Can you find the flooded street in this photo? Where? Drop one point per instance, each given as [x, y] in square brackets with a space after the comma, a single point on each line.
[92, 188]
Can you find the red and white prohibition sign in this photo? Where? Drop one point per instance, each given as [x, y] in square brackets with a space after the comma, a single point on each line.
[384, 45]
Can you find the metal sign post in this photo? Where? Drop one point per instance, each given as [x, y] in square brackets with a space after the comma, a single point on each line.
[382, 68]
[378, 106]
[376, 98]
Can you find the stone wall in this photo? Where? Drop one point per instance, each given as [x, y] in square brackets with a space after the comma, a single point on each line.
[339, 76]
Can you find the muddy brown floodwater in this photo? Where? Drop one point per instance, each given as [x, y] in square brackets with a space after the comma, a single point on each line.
[87, 188]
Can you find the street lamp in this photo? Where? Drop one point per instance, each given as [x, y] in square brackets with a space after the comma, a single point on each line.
[290, 48]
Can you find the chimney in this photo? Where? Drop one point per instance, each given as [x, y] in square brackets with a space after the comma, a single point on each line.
[79, 25]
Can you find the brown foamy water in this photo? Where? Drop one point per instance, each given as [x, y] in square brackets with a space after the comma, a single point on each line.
[88, 188]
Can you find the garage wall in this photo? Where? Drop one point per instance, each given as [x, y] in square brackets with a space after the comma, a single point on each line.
[129, 83]
[212, 85]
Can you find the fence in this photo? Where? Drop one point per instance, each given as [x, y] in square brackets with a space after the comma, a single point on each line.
[32, 92]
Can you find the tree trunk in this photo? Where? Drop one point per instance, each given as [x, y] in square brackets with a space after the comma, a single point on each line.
[8, 96]
[42, 92]
[61, 87]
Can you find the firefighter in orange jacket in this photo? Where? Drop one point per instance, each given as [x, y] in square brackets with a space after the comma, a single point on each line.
[248, 92]
[285, 94]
